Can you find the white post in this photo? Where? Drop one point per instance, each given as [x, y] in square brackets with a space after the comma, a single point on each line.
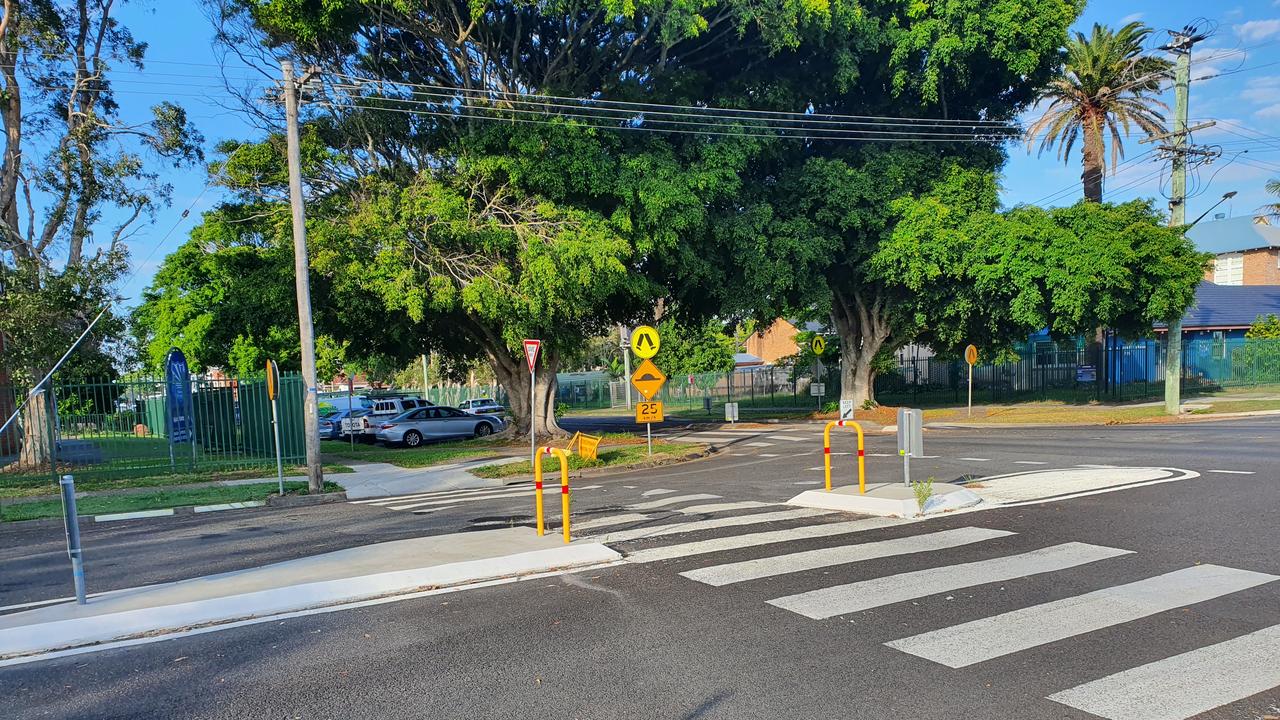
[970, 389]
[275, 426]
[424, 377]
[626, 361]
[533, 393]
[648, 431]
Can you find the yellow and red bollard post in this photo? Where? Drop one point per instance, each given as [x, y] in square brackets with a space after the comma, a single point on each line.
[564, 488]
[862, 453]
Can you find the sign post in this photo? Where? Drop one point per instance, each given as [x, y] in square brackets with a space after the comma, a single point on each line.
[971, 357]
[273, 394]
[647, 379]
[910, 438]
[531, 349]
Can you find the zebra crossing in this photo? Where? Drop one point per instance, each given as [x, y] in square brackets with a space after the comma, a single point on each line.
[1180, 686]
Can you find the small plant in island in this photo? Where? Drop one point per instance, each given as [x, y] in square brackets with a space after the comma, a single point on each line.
[923, 490]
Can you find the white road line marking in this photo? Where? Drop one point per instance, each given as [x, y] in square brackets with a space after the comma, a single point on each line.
[132, 515]
[820, 467]
[841, 555]
[976, 459]
[1098, 467]
[434, 509]
[714, 435]
[1029, 462]
[1184, 685]
[656, 491]
[767, 455]
[229, 506]
[607, 521]
[672, 500]
[755, 539]
[792, 438]
[881, 455]
[841, 453]
[928, 457]
[1233, 472]
[758, 444]
[724, 507]
[697, 525]
[992, 637]
[853, 597]
[808, 482]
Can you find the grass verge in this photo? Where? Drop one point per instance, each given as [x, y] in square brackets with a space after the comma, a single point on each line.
[106, 504]
[625, 456]
[19, 486]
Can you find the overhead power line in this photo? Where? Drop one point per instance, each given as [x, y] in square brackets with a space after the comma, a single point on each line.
[653, 107]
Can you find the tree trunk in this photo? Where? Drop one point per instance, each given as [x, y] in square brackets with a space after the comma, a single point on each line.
[1091, 160]
[515, 378]
[36, 426]
[863, 331]
[513, 374]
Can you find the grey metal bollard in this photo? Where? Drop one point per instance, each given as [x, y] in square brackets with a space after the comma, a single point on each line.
[72, 523]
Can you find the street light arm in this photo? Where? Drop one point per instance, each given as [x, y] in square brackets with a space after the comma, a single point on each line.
[1225, 197]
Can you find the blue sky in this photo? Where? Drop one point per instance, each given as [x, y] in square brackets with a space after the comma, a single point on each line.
[1244, 97]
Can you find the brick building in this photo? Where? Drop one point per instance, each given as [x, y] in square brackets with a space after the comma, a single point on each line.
[778, 340]
[1246, 250]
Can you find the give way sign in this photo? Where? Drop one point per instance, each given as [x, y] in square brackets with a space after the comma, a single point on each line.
[531, 348]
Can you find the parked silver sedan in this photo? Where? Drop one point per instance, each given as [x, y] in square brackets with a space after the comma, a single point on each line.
[438, 422]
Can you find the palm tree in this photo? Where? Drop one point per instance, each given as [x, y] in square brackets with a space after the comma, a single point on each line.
[1107, 83]
[1273, 209]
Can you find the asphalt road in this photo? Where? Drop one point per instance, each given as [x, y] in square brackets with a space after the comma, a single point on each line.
[639, 640]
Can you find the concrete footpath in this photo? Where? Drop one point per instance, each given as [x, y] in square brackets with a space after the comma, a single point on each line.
[375, 479]
[354, 574]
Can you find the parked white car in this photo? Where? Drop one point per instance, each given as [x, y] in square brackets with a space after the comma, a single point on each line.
[481, 406]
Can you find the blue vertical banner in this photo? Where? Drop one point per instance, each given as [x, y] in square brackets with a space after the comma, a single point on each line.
[177, 383]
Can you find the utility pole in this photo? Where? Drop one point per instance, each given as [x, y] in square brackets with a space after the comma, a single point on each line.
[302, 280]
[1177, 149]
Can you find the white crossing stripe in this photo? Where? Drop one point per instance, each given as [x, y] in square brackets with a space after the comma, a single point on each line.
[442, 493]
[736, 542]
[434, 509]
[607, 521]
[1029, 462]
[792, 438]
[881, 455]
[853, 597]
[658, 530]
[768, 455]
[976, 459]
[656, 491]
[1232, 472]
[758, 444]
[671, 500]
[715, 435]
[826, 557]
[468, 498]
[1184, 685]
[998, 635]
[724, 507]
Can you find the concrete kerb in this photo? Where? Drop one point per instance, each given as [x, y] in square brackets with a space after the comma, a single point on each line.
[332, 579]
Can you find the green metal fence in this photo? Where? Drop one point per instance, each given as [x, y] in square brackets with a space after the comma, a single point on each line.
[1116, 372]
[119, 429]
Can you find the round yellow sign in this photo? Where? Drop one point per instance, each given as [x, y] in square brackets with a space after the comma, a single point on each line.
[819, 344]
[645, 342]
[971, 355]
